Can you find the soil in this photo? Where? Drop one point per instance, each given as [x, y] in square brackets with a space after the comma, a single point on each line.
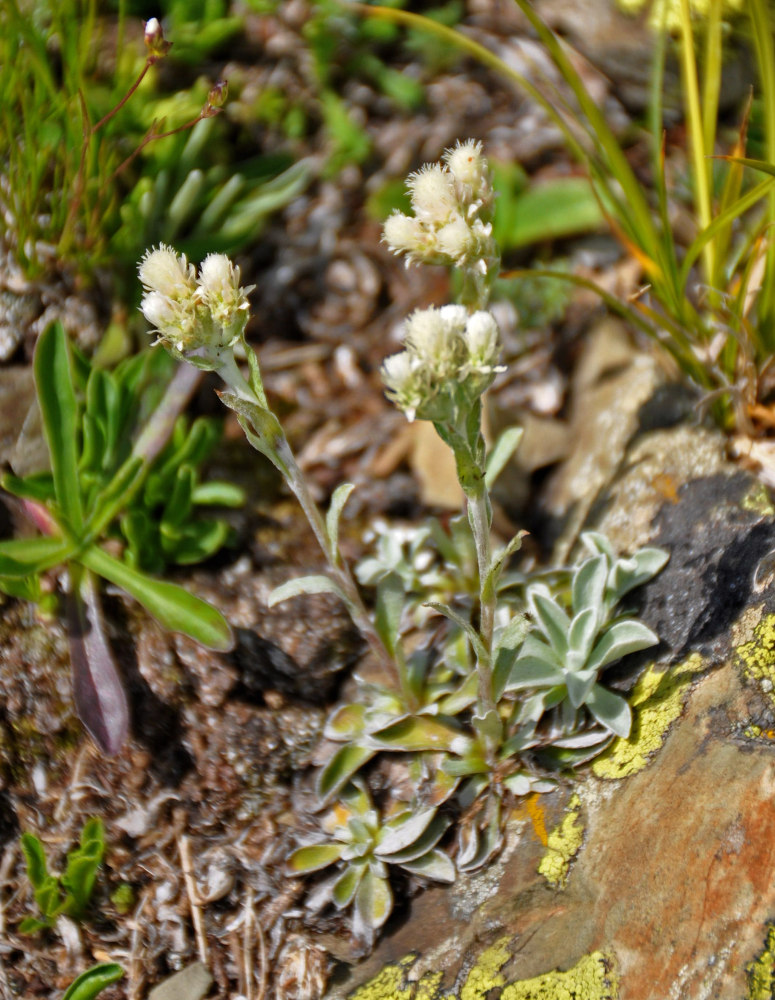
[214, 787]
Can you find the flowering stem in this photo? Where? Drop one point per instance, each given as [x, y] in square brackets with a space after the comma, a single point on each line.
[479, 517]
[279, 453]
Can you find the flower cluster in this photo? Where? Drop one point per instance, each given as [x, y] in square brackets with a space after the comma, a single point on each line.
[196, 317]
[447, 348]
[452, 205]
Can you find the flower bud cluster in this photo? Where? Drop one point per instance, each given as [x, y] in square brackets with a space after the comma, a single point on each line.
[448, 351]
[452, 204]
[196, 317]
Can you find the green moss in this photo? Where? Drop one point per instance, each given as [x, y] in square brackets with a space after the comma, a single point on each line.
[757, 657]
[657, 700]
[591, 978]
[761, 972]
[562, 846]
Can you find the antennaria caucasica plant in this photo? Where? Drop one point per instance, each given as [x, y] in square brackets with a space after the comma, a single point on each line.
[494, 708]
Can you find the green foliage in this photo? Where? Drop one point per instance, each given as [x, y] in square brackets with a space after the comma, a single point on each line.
[193, 193]
[105, 478]
[93, 981]
[363, 845]
[67, 894]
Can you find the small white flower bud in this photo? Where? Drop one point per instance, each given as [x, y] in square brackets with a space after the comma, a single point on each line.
[403, 234]
[219, 290]
[482, 340]
[467, 164]
[403, 382]
[162, 270]
[433, 193]
[158, 310]
[456, 239]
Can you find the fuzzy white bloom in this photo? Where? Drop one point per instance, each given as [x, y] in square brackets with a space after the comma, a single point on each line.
[220, 291]
[435, 338]
[162, 270]
[467, 164]
[195, 317]
[452, 205]
[404, 382]
[433, 193]
[483, 342]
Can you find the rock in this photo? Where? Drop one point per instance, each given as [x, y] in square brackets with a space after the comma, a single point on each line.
[191, 983]
[651, 876]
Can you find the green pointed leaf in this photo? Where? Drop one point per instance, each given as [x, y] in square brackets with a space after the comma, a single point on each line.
[90, 983]
[390, 605]
[38, 488]
[304, 585]
[346, 886]
[423, 843]
[551, 619]
[346, 762]
[219, 494]
[583, 630]
[588, 588]
[610, 710]
[500, 560]
[338, 500]
[396, 836]
[489, 727]
[418, 733]
[479, 648]
[315, 857]
[579, 685]
[531, 671]
[638, 569]
[373, 903]
[35, 859]
[59, 411]
[435, 865]
[21, 557]
[503, 450]
[620, 639]
[175, 608]
[512, 635]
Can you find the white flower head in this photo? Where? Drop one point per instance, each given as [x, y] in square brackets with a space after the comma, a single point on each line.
[471, 173]
[227, 302]
[483, 343]
[456, 239]
[433, 193]
[435, 338]
[404, 382]
[162, 270]
[405, 234]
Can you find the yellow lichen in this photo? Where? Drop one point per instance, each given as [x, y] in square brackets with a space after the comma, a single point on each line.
[757, 500]
[388, 984]
[563, 844]
[657, 700]
[761, 973]
[757, 658]
[591, 978]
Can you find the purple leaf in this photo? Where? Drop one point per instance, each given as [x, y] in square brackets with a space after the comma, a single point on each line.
[100, 700]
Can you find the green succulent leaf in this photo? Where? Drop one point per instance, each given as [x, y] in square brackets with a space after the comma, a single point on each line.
[621, 638]
[435, 865]
[588, 588]
[35, 860]
[425, 842]
[38, 488]
[347, 884]
[399, 834]
[610, 710]
[59, 411]
[21, 557]
[636, 570]
[417, 733]
[390, 605]
[373, 903]
[315, 857]
[345, 763]
[551, 618]
[582, 633]
[92, 982]
[175, 608]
